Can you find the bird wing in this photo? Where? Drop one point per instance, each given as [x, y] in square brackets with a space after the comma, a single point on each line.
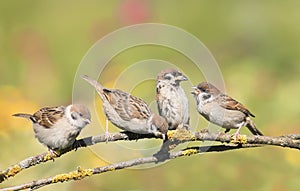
[231, 104]
[127, 106]
[48, 116]
[137, 108]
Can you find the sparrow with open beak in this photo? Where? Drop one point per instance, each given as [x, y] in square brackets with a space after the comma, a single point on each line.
[222, 110]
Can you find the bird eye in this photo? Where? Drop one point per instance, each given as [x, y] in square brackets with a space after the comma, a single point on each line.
[167, 77]
[74, 116]
[80, 114]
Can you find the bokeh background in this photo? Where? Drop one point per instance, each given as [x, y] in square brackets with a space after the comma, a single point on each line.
[256, 44]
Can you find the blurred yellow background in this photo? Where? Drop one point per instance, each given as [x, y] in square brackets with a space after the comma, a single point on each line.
[255, 43]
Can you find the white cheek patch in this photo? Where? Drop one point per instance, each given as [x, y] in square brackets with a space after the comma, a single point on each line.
[205, 98]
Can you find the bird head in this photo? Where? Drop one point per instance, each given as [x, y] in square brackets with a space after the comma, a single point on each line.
[171, 76]
[78, 115]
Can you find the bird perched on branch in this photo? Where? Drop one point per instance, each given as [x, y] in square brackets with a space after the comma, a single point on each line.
[223, 110]
[171, 99]
[58, 127]
[128, 112]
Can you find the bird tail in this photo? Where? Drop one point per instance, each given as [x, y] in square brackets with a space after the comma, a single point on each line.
[95, 84]
[25, 115]
[252, 127]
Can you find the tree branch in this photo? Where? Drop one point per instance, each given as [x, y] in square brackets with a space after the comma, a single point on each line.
[176, 137]
[83, 173]
[88, 141]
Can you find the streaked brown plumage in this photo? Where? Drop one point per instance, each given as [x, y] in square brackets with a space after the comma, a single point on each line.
[223, 110]
[128, 112]
[171, 99]
[58, 127]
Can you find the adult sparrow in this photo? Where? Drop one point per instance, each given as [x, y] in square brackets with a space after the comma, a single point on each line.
[171, 100]
[58, 127]
[128, 112]
[223, 110]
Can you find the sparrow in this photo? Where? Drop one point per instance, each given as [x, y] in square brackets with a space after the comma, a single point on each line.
[223, 110]
[128, 112]
[171, 99]
[58, 127]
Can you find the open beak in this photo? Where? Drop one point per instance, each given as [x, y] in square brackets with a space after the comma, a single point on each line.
[196, 91]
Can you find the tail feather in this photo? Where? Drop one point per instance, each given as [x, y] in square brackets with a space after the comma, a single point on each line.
[25, 115]
[252, 127]
[95, 84]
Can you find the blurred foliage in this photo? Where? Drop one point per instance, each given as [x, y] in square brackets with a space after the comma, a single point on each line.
[256, 44]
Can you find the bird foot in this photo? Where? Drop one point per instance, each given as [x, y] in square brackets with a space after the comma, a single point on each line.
[205, 130]
[107, 137]
[235, 137]
[222, 133]
[76, 145]
[239, 139]
[53, 154]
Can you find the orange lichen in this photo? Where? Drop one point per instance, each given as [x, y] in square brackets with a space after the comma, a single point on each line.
[189, 152]
[13, 171]
[75, 175]
[239, 139]
[180, 135]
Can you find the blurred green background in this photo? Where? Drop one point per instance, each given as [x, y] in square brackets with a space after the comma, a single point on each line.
[256, 44]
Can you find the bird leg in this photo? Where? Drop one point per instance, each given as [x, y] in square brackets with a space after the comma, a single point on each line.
[53, 153]
[237, 133]
[106, 131]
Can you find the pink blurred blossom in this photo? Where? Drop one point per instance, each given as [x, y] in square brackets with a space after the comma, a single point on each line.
[134, 11]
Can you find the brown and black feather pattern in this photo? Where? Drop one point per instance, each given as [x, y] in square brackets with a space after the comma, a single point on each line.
[231, 104]
[45, 117]
[129, 108]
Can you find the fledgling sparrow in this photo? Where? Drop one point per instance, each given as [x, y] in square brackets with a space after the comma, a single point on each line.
[128, 112]
[58, 127]
[223, 110]
[171, 99]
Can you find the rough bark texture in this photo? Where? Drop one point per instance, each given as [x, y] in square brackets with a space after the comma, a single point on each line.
[174, 138]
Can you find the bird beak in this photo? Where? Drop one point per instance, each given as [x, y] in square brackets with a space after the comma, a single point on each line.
[183, 78]
[88, 121]
[196, 91]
